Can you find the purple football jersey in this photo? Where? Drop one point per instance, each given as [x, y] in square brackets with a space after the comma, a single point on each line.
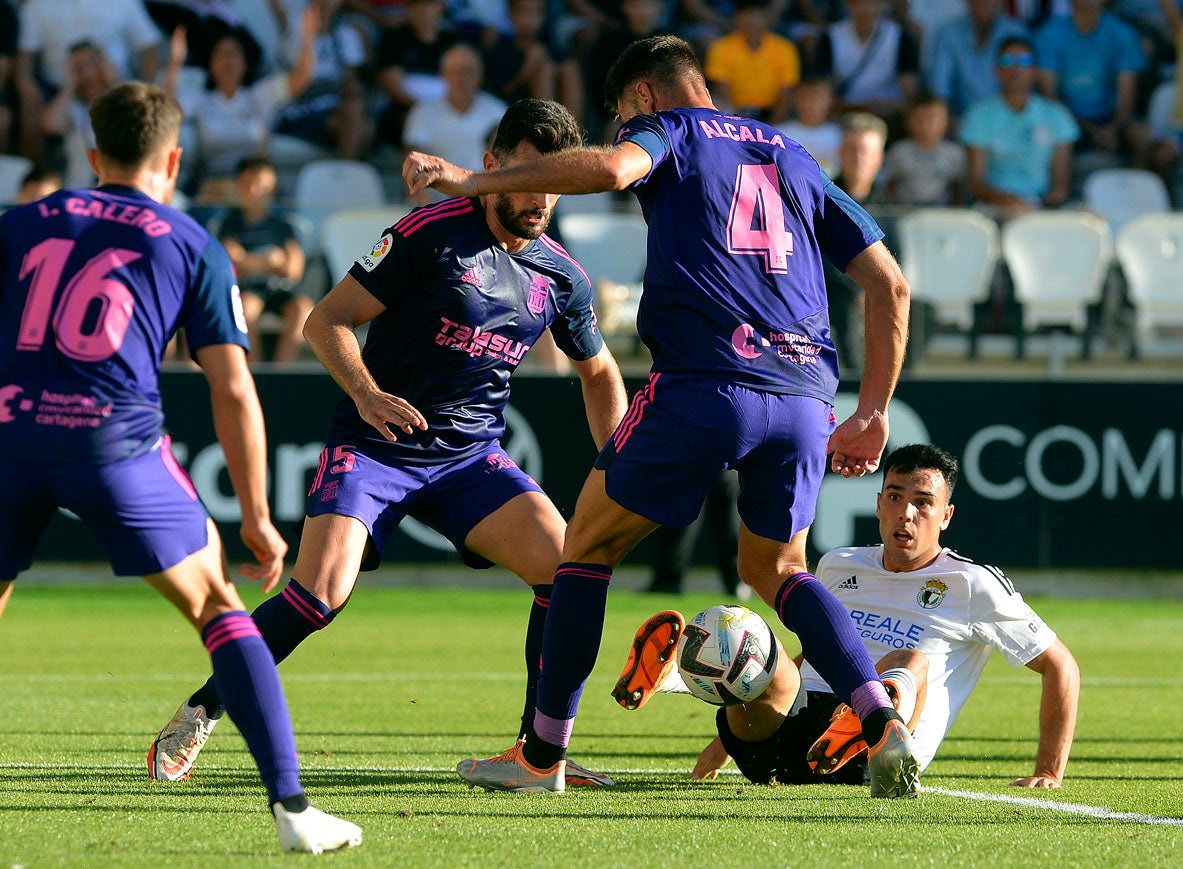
[93, 285]
[739, 217]
[461, 312]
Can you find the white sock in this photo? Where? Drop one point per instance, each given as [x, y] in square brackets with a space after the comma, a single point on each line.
[673, 684]
[904, 683]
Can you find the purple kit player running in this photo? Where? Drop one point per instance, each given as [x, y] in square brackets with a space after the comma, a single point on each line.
[744, 376]
[94, 284]
[455, 294]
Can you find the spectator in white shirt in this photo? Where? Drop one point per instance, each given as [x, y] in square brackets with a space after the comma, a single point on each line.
[456, 126]
[232, 119]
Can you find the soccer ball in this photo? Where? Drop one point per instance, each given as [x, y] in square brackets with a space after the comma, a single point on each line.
[727, 655]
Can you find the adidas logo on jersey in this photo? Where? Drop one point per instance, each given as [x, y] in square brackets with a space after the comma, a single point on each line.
[851, 583]
[471, 277]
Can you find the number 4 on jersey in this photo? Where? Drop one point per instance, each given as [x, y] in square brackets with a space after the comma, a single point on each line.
[756, 226]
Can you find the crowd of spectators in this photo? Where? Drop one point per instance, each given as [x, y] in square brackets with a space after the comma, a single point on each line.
[1004, 104]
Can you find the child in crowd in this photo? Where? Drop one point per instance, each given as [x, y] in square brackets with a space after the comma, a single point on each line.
[38, 183]
[925, 168]
[267, 258]
[813, 100]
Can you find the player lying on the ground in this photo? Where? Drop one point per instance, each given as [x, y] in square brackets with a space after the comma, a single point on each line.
[929, 616]
[455, 294]
[93, 285]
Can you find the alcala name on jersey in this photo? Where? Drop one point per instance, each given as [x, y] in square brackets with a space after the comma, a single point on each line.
[739, 133]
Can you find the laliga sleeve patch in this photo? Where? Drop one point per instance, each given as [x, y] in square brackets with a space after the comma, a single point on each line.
[236, 305]
[369, 261]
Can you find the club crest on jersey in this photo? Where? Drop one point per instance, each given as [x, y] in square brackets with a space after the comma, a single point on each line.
[933, 593]
[369, 261]
[539, 293]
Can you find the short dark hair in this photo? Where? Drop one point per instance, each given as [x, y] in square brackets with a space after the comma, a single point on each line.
[666, 60]
[1011, 41]
[922, 457]
[545, 124]
[133, 121]
[40, 174]
[253, 164]
[815, 79]
[926, 99]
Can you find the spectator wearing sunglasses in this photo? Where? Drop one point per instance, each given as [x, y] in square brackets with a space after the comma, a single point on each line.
[1019, 143]
[964, 54]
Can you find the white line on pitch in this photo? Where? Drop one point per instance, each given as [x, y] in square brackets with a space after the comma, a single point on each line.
[1098, 812]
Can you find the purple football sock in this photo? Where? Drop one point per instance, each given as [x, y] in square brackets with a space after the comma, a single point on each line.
[570, 643]
[285, 620]
[534, 629]
[248, 683]
[828, 638]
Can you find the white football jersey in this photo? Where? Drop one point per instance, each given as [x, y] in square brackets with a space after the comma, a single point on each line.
[954, 611]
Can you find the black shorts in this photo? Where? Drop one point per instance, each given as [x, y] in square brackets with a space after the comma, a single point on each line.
[275, 291]
[782, 755]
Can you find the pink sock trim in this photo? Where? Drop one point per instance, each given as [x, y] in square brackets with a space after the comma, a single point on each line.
[556, 731]
[868, 697]
[229, 627]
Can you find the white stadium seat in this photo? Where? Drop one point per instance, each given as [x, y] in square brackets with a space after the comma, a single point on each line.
[611, 248]
[1150, 250]
[348, 233]
[325, 186]
[13, 170]
[949, 256]
[609, 245]
[1120, 195]
[1059, 262]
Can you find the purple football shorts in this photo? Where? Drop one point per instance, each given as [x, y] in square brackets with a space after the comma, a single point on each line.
[681, 431]
[356, 480]
[143, 511]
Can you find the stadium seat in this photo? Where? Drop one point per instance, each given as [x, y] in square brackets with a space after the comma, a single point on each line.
[348, 233]
[1120, 195]
[1059, 262]
[949, 256]
[608, 245]
[611, 248]
[13, 170]
[1150, 251]
[325, 186]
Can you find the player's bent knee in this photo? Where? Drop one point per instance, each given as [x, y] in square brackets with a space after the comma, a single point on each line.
[198, 586]
[908, 659]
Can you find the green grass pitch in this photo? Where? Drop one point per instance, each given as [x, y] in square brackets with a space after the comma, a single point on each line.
[409, 681]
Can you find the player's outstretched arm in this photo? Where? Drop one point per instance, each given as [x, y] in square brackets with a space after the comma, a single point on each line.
[603, 394]
[577, 170]
[1057, 715]
[858, 443]
[238, 422]
[713, 758]
[329, 331]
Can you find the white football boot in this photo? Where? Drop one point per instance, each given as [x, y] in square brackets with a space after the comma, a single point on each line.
[313, 831]
[176, 747]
